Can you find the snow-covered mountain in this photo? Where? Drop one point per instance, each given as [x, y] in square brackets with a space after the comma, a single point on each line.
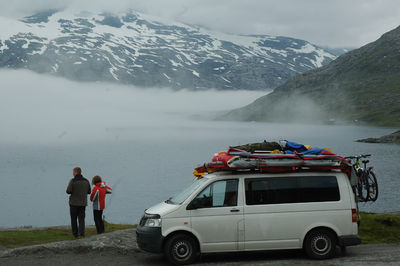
[133, 48]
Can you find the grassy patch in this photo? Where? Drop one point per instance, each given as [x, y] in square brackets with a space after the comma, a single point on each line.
[374, 228]
[379, 228]
[26, 237]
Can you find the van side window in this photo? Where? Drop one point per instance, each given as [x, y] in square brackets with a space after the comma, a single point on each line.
[317, 189]
[219, 194]
[280, 190]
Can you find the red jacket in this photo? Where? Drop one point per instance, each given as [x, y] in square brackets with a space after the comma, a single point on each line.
[98, 195]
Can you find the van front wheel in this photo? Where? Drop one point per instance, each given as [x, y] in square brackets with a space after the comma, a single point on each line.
[181, 249]
[320, 244]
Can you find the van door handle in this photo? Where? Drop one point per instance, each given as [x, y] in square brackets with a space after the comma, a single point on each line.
[235, 210]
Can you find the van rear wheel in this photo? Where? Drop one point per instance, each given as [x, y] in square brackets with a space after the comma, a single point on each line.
[181, 249]
[320, 244]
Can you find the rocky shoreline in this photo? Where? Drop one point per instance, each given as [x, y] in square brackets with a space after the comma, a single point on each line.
[391, 138]
[122, 242]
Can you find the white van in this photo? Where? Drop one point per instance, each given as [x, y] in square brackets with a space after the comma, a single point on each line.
[242, 211]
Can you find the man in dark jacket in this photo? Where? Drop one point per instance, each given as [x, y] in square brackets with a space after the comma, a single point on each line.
[78, 188]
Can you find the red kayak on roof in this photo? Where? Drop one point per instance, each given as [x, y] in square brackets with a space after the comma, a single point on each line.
[291, 157]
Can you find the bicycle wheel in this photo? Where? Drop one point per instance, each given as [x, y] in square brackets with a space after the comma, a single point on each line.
[362, 188]
[372, 186]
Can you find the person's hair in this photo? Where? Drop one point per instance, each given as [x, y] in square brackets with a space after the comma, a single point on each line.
[78, 170]
[96, 179]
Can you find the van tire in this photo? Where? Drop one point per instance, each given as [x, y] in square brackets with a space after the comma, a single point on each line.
[320, 244]
[181, 249]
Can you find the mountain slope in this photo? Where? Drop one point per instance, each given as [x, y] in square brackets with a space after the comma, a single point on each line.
[136, 49]
[362, 86]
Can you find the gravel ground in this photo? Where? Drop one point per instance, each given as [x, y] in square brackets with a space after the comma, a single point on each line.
[119, 248]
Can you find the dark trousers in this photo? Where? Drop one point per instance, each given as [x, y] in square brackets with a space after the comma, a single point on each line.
[77, 214]
[98, 220]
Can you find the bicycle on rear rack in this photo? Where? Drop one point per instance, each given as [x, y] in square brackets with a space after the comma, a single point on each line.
[367, 186]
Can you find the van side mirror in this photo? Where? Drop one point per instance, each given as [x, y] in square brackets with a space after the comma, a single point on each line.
[195, 204]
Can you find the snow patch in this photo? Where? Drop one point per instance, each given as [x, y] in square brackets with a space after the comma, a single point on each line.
[275, 51]
[194, 72]
[3, 46]
[175, 64]
[319, 54]
[40, 51]
[25, 45]
[305, 49]
[112, 72]
[165, 75]
[55, 67]
[226, 79]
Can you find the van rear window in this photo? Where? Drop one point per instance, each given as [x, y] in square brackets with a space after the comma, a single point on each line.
[279, 190]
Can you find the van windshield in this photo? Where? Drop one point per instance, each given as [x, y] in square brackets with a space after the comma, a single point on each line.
[183, 195]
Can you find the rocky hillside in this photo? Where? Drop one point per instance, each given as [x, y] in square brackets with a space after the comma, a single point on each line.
[132, 48]
[360, 86]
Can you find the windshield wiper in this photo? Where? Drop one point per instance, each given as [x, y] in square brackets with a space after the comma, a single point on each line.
[169, 201]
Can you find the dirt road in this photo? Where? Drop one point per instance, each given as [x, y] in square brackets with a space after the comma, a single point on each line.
[119, 248]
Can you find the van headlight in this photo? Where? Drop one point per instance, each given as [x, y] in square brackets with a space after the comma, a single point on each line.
[151, 220]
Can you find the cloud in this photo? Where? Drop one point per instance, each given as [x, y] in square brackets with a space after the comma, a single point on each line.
[339, 23]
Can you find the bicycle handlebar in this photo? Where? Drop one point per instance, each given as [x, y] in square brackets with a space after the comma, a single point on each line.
[358, 156]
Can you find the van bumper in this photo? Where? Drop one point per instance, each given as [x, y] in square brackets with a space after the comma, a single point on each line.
[149, 239]
[349, 240]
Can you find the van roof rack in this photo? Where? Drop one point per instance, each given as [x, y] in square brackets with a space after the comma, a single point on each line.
[273, 162]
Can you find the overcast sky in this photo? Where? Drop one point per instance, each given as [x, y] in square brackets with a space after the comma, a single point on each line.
[339, 23]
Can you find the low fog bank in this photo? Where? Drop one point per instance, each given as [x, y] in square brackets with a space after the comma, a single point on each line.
[298, 109]
[42, 108]
[285, 109]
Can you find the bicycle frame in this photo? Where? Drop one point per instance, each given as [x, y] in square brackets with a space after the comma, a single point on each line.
[361, 188]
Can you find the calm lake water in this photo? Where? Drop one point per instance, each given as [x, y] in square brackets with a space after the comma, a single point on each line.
[146, 165]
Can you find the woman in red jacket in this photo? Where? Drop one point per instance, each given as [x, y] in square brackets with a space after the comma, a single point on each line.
[98, 196]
